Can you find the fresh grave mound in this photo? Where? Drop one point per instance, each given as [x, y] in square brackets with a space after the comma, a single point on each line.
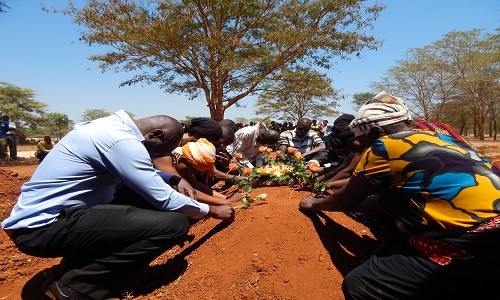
[270, 251]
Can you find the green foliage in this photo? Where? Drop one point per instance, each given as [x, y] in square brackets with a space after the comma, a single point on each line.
[222, 50]
[454, 79]
[293, 172]
[92, 114]
[361, 98]
[57, 124]
[20, 105]
[297, 93]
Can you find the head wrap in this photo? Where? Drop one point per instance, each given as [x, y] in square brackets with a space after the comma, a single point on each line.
[205, 128]
[383, 109]
[200, 154]
[341, 135]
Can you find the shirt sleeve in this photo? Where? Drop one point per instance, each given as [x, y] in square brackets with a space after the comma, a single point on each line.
[129, 160]
[317, 140]
[374, 166]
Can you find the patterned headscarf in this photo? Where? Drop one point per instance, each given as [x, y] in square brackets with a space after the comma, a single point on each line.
[200, 154]
[383, 109]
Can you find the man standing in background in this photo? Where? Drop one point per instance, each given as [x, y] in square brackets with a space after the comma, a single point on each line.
[4, 128]
[12, 140]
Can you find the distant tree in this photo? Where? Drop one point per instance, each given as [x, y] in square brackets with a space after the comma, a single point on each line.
[241, 120]
[57, 124]
[298, 93]
[92, 114]
[361, 98]
[130, 114]
[222, 50]
[20, 105]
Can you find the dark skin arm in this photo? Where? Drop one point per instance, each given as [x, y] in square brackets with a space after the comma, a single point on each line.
[284, 150]
[314, 151]
[346, 199]
[211, 200]
[343, 175]
[227, 177]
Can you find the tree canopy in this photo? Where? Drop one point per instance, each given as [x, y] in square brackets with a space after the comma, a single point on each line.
[294, 94]
[21, 106]
[222, 50]
[454, 79]
[57, 124]
[94, 113]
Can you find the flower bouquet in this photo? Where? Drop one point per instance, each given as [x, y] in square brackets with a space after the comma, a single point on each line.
[294, 172]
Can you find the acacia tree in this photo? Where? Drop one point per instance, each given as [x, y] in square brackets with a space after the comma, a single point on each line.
[57, 123]
[472, 57]
[222, 50]
[20, 105]
[94, 113]
[294, 94]
[460, 71]
[361, 98]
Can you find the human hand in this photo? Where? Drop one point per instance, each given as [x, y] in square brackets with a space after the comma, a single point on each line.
[185, 188]
[307, 204]
[237, 197]
[223, 158]
[222, 212]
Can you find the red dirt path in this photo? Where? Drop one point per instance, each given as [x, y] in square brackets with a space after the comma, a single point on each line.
[271, 251]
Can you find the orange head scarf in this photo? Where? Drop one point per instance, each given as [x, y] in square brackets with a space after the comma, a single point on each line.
[200, 154]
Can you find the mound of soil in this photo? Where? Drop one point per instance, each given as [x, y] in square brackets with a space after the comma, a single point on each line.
[271, 251]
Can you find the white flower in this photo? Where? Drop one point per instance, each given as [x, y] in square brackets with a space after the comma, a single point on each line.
[262, 196]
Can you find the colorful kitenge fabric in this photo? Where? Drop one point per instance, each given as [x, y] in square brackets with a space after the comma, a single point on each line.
[454, 186]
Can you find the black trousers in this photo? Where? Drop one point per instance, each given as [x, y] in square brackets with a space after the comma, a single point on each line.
[12, 143]
[103, 243]
[398, 272]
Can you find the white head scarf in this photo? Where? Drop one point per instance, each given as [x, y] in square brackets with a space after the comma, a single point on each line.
[383, 109]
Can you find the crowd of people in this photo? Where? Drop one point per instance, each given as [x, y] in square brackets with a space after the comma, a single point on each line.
[115, 193]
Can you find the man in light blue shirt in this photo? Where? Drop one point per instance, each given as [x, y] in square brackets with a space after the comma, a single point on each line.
[64, 210]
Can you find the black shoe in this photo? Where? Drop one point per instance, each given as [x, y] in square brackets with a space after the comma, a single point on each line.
[56, 290]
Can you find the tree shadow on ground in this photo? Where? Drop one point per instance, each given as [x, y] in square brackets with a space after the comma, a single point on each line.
[346, 248]
[143, 282]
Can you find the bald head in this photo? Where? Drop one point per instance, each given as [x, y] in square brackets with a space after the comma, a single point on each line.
[303, 127]
[268, 136]
[161, 133]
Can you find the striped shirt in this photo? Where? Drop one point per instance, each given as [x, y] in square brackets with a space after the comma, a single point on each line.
[310, 141]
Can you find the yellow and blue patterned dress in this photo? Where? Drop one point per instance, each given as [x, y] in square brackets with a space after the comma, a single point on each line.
[451, 184]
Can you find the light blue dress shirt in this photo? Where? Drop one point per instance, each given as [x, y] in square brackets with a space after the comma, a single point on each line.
[85, 167]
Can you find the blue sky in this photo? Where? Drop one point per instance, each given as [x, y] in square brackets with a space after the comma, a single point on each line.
[40, 51]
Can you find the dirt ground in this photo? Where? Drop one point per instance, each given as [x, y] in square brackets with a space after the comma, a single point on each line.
[271, 251]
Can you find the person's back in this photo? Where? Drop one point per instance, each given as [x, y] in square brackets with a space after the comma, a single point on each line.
[64, 210]
[442, 196]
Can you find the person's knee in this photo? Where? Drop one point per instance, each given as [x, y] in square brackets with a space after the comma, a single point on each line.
[354, 288]
[175, 225]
